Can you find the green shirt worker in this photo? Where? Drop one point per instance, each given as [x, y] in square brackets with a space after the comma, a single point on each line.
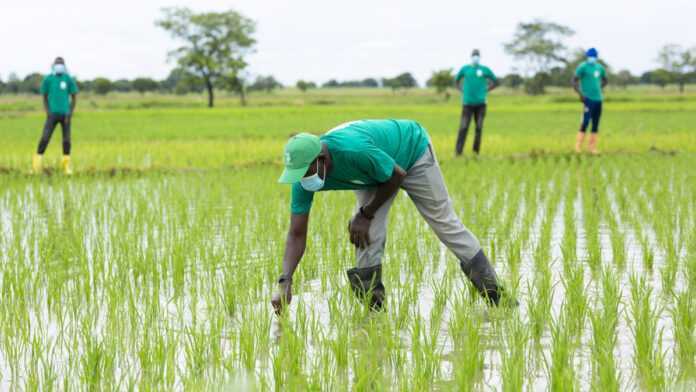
[374, 158]
[59, 92]
[589, 80]
[475, 81]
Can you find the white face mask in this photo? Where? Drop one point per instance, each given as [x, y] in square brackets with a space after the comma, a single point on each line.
[592, 60]
[475, 59]
[313, 183]
[59, 68]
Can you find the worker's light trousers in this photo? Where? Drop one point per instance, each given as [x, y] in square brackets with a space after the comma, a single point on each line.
[425, 186]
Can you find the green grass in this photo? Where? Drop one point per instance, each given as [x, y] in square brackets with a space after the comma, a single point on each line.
[152, 268]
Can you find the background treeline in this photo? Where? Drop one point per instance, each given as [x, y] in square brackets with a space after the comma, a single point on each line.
[177, 82]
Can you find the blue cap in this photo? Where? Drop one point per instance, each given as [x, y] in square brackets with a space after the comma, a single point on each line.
[592, 52]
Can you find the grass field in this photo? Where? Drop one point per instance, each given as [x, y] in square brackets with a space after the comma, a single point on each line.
[153, 266]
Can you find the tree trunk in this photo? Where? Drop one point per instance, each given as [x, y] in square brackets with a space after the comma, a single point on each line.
[242, 96]
[211, 95]
[681, 86]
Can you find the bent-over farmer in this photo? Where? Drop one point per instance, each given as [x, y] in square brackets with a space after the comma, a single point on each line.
[59, 92]
[375, 158]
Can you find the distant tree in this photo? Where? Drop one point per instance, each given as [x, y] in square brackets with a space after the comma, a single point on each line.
[215, 44]
[122, 85]
[370, 82]
[13, 82]
[304, 86]
[404, 81]
[143, 85]
[182, 82]
[536, 84]
[539, 44]
[31, 84]
[442, 81]
[624, 78]
[265, 83]
[331, 83]
[2, 86]
[85, 85]
[660, 77]
[102, 86]
[236, 84]
[512, 80]
[679, 61]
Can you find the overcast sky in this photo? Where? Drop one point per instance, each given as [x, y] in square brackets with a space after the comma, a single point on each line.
[323, 39]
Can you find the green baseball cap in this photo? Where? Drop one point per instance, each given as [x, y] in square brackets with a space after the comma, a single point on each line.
[300, 151]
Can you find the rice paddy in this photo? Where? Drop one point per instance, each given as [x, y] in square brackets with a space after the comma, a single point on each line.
[156, 273]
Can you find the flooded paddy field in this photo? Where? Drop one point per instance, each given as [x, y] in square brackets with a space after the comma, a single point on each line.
[163, 281]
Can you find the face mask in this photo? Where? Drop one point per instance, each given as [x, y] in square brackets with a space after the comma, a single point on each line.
[475, 59]
[313, 183]
[592, 60]
[59, 68]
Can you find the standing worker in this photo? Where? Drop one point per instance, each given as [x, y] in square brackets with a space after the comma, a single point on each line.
[59, 92]
[589, 80]
[475, 81]
[375, 158]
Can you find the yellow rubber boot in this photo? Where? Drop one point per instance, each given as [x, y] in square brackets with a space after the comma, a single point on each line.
[36, 166]
[67, 166]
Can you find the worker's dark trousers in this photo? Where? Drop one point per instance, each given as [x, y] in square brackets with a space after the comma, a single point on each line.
[52, 120]
[478, 112]
[592, 112]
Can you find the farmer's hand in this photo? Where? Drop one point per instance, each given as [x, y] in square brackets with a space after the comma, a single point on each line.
[582, 99]
[359, 229]
[283, 295]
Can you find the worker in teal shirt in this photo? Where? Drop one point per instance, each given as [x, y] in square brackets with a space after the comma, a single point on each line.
[475, 81]
[589, 80]
[374, 158]
[59, 92]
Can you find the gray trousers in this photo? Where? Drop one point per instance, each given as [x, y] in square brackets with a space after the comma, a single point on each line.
[426, 188]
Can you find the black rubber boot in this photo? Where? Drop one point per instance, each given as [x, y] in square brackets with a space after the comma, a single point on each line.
[482, 275]
[367, 285]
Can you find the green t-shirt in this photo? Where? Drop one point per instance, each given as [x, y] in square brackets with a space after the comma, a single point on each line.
[475, 88]
[363, 154]
[590, 76]
[59, 88]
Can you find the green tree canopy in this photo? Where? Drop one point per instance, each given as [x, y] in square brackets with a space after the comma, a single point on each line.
[214, 44]
[102, 86]
[143, 85]
[31, 84]
[679, 61]
[265, 83]
[442, 80]
[539, 45]
[304, 85]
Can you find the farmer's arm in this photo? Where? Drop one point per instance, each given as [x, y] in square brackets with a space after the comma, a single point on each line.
[492, 84]
[73, 103]
[45, 103]
[605, 81]
[295, 245]
[459, 79]
[492, 79]
[385, 191]
[576, 87]
[360, 224]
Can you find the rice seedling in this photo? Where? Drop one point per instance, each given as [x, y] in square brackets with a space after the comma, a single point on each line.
[649, 357]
